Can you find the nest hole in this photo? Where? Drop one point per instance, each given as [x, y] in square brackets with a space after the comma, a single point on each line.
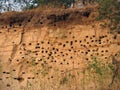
[64, 45]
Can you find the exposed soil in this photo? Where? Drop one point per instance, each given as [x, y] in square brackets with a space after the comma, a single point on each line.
[52, 18]
[58, 50]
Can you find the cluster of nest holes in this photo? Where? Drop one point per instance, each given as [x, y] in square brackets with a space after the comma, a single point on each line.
[12, 24]
[38, 46]
[49, 54]
[3, 27]
[56, 50]
[59, 52]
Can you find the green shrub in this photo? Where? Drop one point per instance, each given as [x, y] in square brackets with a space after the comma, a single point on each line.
[55, 3]
[110, 10]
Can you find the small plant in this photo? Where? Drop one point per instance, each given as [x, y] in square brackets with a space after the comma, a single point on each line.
[118, 54]
[33, 61]
[64, 80]
[61, 33]
[67, 78]
[45, 68]
[95, 66]
[29, 85]
[83, 80]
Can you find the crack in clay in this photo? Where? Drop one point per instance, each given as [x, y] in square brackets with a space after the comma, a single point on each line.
[14, 50]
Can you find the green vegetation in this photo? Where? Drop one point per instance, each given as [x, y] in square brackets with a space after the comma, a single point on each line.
[29, 85]
[64, 80]
[33, 61]
[67, 78]
[61, 33]
[103, 72]
[110, 11]
[118, 54]
[45, 68]
[52, 3]
[95, 66]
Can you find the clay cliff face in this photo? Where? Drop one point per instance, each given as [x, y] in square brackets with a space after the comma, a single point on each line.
[53, 52]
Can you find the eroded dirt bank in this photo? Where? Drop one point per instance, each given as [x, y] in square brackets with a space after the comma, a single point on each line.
[53, 50]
